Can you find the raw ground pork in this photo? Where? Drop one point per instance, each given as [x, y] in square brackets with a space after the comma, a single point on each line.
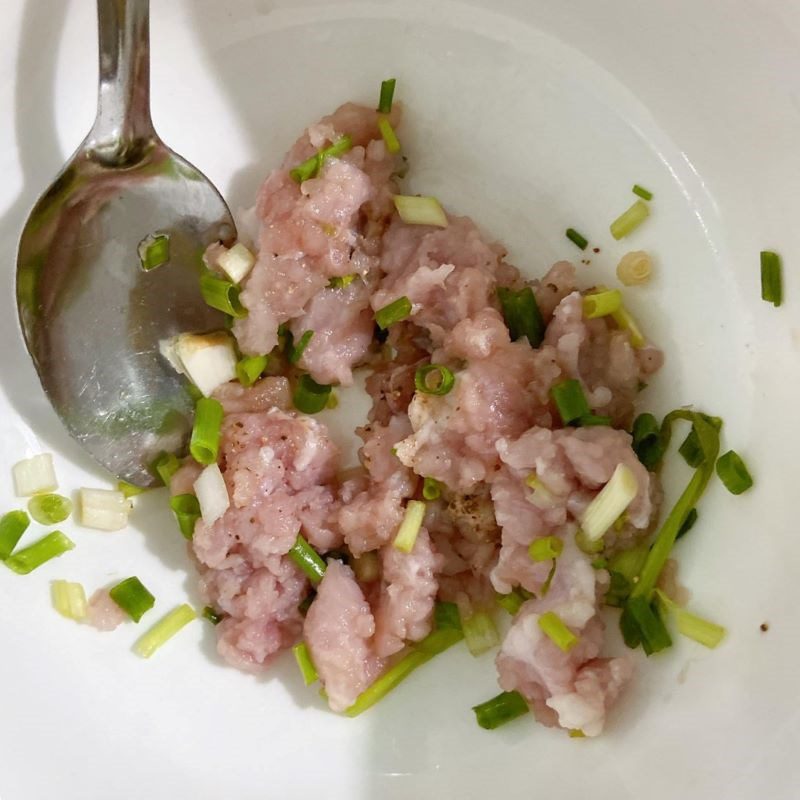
[481, 441]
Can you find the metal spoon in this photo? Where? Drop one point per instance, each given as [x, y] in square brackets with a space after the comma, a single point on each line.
[92, 317]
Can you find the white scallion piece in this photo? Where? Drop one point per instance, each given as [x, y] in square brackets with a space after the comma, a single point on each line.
[34, 475]
[104, 509]
[208, 360]
[409, 528]
[420, 210]
[69, 599]
[541, 496]
[236, 262]
[612, 501]
[212, 494]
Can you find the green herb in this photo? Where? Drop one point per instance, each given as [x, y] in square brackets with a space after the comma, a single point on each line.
[309, 396]
[222, 295]
[12, 526]
[629, 220]
[521, 314]
[434, 379]
[642, 192]
[164, 630]
[51, 546]
[576, 238]
[187, 511]
[297, 350]
[733, 473]
[396, 311]
[204, 444]
[132, 597]
[771, 278]
[387, 95]
[501, 709]
[250, 368]
[307, 558]
[570, 400]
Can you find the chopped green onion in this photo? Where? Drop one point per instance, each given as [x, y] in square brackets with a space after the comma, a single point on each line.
[501, 709]
[308, 559]
[297, 350]
[409, 528]
[367, 567]
[311, 166]
[635, 268]
[33, 475]
[650, 627]
[645, 194]
[12, 526]
[132, 597]
[707, 633]
[309, 396]
[164, 630]
[204, 444]
[550, 576]
[104, 509]
[545, 548]
[388, 134]
[511, 602]
[629, 220]
[626, 322]
[237, 262]
[521, 314]
[396, 311]
[446, 616]
[154, 251]
[69, 599]
[480, 632]
[542, 497]
[49, 509]
[222, 295]
[165, 466]
[434, 379]
[570, 400]
[613, 499]
[213, 616]
[420, 653]
[51, 546]
[387, 95]
[688, 524]
[249, 369]
[576, 238]
[129, 489]
[187, 511]
[771, 278]
[646, 440]
[431, 489]
[305, 664]
[414, 210]
[733, 473]
[342, 281]
[690, 448]
[601, 304]
[592, 420]
[576, 733]
[559, 634]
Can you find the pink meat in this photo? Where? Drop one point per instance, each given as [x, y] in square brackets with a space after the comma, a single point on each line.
[405, 608]
[572, 689]
[267, 393]
[103, 613]
[338, 630]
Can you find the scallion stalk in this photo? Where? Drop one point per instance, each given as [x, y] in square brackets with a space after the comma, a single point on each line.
[12, 526]
[342, 281]
[511, 602]
[51, 546]
[311, 166]
[69, 599]
[771, 278]
[434, 379]
[501, 709]
[165, 466]
[221, 294]
[132, 597]
[626, 322]
[305, 664]
[186, 508]
[396, 311]
[309, 396]
[554, 628]
[640, 191]
[570, 400]
[545, 548]
[387, 95]
[410, 526]
[521, 314]
[480, 633]
[612, 500]
[164, 630]
[431, 489]
[629, 220]
[204, 444]
[212, 615]
[154, 251]
[414, 210]
[307, 558]
[733, 473]
[446, 616]
[602, 304]
[129, 489]
[389, 135]
[49, 509]
[33, 475]
[297, 350]
[578, 239]
[250, 368]
[593, 420]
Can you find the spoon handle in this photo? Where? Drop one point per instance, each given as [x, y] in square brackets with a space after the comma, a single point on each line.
[123, 125]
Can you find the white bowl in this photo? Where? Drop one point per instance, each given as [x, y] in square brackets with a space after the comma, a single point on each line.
[532, 116]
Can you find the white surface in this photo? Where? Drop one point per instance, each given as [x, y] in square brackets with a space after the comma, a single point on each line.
[533, 117]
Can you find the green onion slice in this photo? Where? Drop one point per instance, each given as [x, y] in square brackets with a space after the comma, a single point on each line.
[570, 400]
[187, 511]
[480, 632]
[511, 602]
[310, 167]
[305, 664]
[307, 558]
[69, 599]
[612, 501]
[771, 278]
[250, 368]
[733, 473]
[545, 548]
[341, 281]
[434, 379]
[49, 509]
[646, 445]
[602, 304]
[396, 311]
[626, 322]
[12, 526]
[388, 134]
[222, 295]
[554, 628]
[592, 420]
[164, 630]
[204, 444]
[410, 526]
[578, 239]
[129, 489]
[132, 597]
[446, 616]
[309, 396]
[51, 546]
[649, 626]
[387, 95]
[154, 251]
[688, 524]
[297, 350]
[707, 633]
[629, 220]
[640, 191]
[165, 466]
[501, 709]
[212, 615]
[521, 314]
[414, 210]
[431, 489]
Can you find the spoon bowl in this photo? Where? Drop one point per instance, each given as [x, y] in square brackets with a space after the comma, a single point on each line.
[92, 315]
